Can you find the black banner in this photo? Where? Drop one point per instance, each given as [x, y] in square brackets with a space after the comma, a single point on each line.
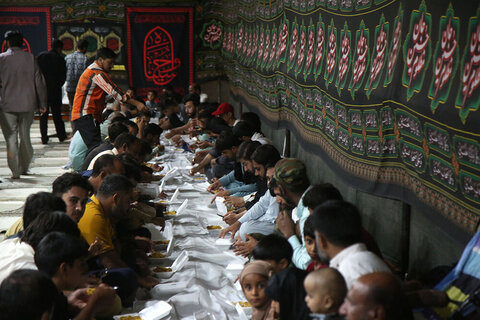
[160, 48]
[33, 22]
[386, 91]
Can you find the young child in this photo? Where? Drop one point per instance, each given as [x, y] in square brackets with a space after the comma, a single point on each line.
[326, 289]
[253, 280]
[63, 258]
[151, 101]
[309, 236]
[285, 287]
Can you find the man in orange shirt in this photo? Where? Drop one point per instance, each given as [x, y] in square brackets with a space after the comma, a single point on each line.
[93, 86]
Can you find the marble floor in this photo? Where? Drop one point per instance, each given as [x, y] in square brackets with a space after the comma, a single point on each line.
[47, 164]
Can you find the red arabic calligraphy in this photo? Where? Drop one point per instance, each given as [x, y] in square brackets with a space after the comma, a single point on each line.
[361, 63]
[396, 45]
[471, 72]
[332, 48]
[301, 52]
[19, 21]
[417, 55]
[344, 58]
[247, 42]
[444, 65]
[248, 45]
[260, 48]
[230, 42]
[240, 40]
[159, 19]
[25, 46]
[160, 62]
[267, 46]
[227, 41]
[319, 52]
[255, 42]
[283, 44]
[293, 47]
[213, 34]
[311, 42]
[377, 62]
[274, 47]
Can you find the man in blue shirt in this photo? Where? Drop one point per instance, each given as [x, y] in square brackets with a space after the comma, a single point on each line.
[290, 184]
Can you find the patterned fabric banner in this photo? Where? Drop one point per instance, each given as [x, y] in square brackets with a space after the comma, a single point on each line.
[386, 91]
[160, 48]
[98, 35]
[33, 22]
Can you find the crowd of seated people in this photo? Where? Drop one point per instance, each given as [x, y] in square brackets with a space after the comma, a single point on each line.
[309, 256]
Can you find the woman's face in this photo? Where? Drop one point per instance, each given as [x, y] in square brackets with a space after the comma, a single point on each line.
[253, 286]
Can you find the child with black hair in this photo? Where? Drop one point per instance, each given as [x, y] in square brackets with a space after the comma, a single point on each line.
[285, 287]
[26, 287]
[151, 101]
[309, 236]
[63, 258]
[275, 250]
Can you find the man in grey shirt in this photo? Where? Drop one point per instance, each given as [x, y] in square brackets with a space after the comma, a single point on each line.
[22, 91]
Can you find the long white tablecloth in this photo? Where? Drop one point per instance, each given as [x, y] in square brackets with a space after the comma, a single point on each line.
[203, 288]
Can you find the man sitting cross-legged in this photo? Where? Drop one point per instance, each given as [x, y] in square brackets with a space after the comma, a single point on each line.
[106, 209]
[30, 288]
[63, 258]
[74, 191]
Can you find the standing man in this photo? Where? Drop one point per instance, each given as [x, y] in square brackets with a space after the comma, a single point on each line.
[76, 64]
[54, 70]
[22, 91]
[89, 101]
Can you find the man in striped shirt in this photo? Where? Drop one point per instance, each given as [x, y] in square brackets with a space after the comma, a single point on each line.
[93, 86]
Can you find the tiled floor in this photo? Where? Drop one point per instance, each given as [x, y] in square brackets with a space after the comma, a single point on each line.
[46, 166]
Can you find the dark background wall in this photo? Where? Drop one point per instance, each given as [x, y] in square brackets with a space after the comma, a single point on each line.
[411, 239]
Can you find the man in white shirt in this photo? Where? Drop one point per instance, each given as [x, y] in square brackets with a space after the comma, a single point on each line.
[258, 219]
[338, 234]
